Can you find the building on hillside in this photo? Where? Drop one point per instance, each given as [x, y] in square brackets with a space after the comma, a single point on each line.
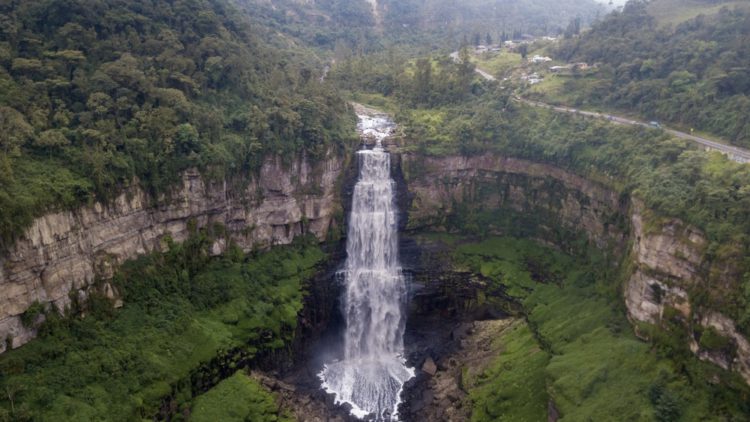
[532, 79]
[558, 69]
[540, 59]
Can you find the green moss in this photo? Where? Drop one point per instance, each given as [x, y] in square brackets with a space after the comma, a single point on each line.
[712, 340]
[513, 387]
[237, 398]
[31, 314]
[594, 366]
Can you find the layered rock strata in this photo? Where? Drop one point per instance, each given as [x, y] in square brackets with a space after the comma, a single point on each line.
[665, 258]
[62, 254]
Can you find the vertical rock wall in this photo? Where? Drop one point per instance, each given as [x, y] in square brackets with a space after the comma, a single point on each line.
[64, 253]
[667, 259]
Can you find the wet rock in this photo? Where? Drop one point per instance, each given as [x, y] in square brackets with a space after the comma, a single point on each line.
[552, 413]
[429, 366]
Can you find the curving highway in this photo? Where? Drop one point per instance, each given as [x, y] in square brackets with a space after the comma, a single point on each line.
[734, 153]
[739, 155]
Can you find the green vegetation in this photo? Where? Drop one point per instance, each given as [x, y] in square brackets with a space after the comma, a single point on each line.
[500, 63]
[237, 398]
[426, 82]
[183, 309]
[672, 176]
[675, 12]
[475, 19]
[694, 75]
[582, 353]
[94, 94]
[514, 388]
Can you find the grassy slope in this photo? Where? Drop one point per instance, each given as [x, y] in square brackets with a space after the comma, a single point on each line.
[514, 386]
[237, 398]
[674, 12]
[593, 367]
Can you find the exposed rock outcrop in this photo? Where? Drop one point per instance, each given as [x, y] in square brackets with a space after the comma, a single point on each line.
[670, 262]
[667, 258]
[64, 253]
[438, 185]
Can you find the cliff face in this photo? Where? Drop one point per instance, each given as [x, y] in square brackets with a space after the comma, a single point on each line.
[64, 253]
[670, 263]
[666, 259]
[439, 185]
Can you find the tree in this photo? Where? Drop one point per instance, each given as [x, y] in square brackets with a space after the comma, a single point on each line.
[14, 131]
[523, 49]
[423, 81]
[574, 27]
[488, 39]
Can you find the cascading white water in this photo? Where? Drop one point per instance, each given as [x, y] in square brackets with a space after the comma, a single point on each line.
[373, 371]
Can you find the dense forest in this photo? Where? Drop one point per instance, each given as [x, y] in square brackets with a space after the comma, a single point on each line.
[96, 93]
[694, 74]
[349, 27]
[493, 17]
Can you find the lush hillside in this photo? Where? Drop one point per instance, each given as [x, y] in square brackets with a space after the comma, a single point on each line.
[188, 322]
[494, 17]
[95, 93]
[694, 74]
[322, 24]
[352, 27]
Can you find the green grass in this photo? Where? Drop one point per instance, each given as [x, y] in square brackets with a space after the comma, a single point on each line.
[552, 89]
[119, 367]
[237, 398]
[674, 12]
[513, 387]
[374, 100]
[590, 365]
[500, 63]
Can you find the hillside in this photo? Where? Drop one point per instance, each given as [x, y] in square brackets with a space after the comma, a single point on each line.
[360, 26]
[98, 93]
[675, 12]
[494, 17]
[693, 74]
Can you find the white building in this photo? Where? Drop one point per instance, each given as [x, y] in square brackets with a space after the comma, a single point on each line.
[540, 59]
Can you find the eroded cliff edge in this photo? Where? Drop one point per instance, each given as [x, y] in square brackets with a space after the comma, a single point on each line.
[65, 254]
[667, 269]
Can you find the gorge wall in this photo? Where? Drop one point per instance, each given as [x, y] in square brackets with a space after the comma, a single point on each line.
[664, 259]
[64, 254]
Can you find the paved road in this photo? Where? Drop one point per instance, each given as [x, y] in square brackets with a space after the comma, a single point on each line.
[737, 154]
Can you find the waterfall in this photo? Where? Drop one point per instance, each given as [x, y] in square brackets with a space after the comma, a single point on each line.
[373, 371]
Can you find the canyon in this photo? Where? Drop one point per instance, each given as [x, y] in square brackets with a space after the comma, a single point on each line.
[663, 258]
[69, 253]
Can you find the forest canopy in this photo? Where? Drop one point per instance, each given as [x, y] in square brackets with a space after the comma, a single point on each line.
[96, 93]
